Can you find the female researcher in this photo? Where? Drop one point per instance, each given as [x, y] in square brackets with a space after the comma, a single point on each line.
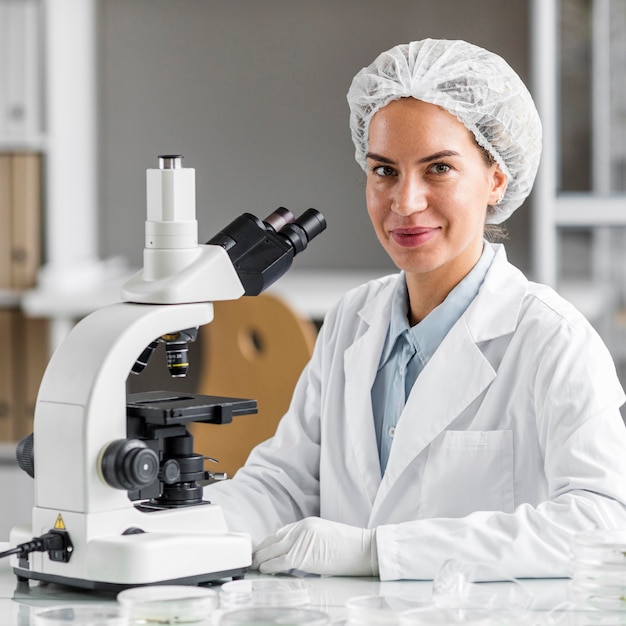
[453, 408]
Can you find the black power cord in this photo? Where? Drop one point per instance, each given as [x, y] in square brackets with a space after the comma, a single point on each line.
[17, 550]
[56, 543]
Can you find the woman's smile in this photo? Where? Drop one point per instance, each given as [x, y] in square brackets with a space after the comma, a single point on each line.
[413, 237]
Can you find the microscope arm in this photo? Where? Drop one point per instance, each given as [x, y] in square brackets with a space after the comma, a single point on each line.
[82, 401]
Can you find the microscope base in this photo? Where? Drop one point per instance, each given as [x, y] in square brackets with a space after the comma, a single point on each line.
[152, 558]
[96, 585]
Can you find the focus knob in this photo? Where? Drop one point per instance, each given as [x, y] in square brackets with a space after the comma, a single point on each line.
[129, 464]
[25, 456]
[170, 472]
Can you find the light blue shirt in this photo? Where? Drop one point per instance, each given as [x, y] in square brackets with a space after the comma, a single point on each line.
[408, 349]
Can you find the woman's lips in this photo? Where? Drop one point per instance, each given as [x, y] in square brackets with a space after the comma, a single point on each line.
[413, 237]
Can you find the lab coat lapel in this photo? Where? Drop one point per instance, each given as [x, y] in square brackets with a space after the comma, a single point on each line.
[436, 400]
[360, 367]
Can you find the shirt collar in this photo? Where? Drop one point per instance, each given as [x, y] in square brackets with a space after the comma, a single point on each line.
[426, 336]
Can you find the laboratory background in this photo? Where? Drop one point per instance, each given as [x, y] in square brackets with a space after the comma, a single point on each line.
[252, 93]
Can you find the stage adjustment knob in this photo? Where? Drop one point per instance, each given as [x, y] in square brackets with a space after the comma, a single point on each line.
[129, 464]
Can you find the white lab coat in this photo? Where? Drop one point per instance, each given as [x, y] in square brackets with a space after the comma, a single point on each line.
[511, 439]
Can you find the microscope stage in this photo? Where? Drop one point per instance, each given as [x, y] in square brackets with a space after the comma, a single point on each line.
[167, 408]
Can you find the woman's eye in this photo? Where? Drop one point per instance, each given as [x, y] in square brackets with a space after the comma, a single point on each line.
[383, 170]
[440, 168]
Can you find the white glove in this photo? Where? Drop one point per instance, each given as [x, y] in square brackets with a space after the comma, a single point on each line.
[319, 546]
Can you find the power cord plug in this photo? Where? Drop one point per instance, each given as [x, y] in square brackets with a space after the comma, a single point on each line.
[56, 543]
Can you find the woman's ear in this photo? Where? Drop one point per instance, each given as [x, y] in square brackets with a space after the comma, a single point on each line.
[498, 185]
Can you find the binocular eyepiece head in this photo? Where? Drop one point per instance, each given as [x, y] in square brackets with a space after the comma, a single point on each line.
[261, 251]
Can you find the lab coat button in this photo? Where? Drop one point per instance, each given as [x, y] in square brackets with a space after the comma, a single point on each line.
[391, 431]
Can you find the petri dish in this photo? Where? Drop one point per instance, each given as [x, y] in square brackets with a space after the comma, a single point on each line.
[585, 618]
[262, 592]
[480, 586]
[601, 547]
[447, 617]
[598, 574]
[168, 604]
[592, 618]
[375, 609]
[269, 616]
[596, 596]
[80, 615]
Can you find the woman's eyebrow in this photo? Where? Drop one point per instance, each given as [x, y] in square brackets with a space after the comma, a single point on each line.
[426, 159]
[378, 157]
[439, 155]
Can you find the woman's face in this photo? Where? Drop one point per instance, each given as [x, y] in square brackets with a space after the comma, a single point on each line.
[428, 187]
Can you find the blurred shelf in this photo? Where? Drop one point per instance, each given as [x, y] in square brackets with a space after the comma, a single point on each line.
[34, 143]
[9, 298]
[590, 210]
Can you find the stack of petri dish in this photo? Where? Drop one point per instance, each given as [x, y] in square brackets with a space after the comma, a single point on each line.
[439, 616]
[245, 593]
[377, 610]
[272, 615]
[80, 615]
[168, 604]
[264, 602]
[598, 570]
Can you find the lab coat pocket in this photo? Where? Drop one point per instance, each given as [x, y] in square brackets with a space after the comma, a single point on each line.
[469, 471]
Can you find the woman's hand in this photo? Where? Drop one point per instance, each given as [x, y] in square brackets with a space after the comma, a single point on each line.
[319, 546]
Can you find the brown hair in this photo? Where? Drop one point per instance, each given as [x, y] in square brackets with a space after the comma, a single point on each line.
[493, 232]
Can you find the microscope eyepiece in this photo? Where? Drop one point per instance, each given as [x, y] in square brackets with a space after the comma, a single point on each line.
[309, 225]
[279, 219]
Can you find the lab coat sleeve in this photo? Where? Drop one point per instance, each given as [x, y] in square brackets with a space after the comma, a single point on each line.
[532, 542]
[279, 483]
[575, 403]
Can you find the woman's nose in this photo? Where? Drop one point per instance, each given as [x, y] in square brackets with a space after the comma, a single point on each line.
[409, 196]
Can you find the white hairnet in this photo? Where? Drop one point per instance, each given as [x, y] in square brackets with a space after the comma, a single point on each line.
[475, 85]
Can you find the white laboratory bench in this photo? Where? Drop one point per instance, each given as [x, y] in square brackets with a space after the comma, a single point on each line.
[19, 600]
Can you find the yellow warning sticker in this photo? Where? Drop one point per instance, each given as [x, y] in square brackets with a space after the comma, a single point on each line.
[59, 524]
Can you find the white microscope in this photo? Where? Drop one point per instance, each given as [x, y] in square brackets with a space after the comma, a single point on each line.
[118, 494]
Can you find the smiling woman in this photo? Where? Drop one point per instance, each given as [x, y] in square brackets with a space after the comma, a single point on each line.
[454, 407]
[428, 190]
